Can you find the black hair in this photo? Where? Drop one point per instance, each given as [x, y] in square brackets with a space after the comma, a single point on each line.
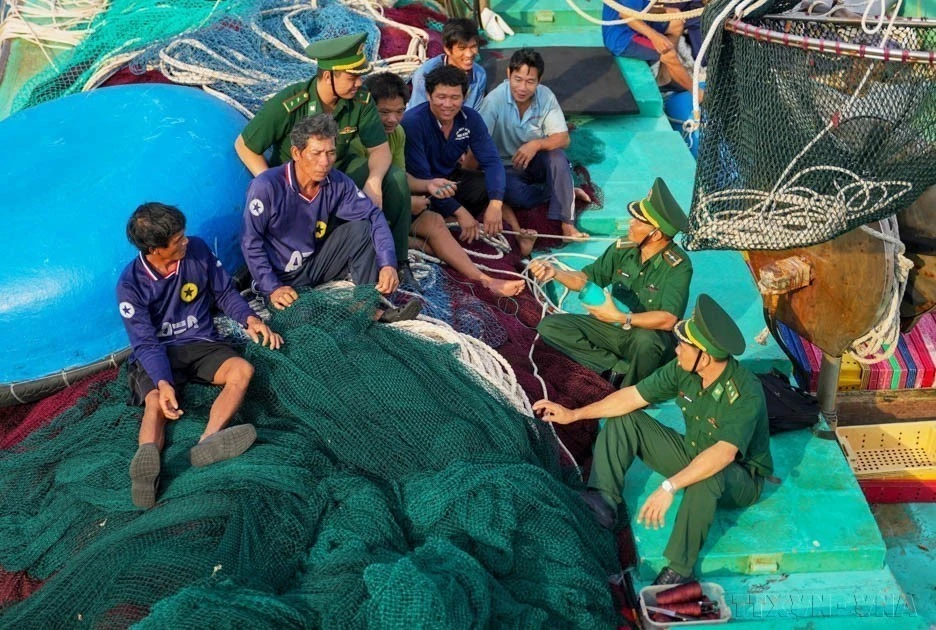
[153, 224]
[318, 126]
[447, 75]
[461, 31]
[529, 58]
[383, 85]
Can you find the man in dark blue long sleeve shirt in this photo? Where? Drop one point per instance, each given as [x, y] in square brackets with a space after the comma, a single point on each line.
[166, 297]
[306, 223]
[438, 133]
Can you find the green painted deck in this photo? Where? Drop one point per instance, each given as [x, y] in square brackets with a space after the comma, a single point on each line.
[809, 554]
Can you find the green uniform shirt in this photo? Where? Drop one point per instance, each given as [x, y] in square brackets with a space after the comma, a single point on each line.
[356, 118]
[660, 284]
[397, 140]
[732, 409]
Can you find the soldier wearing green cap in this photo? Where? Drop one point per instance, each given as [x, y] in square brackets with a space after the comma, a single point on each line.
[651, 279]
[723, 458]
[336, 90]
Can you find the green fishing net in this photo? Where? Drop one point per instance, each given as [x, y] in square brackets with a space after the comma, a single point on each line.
[388, 488]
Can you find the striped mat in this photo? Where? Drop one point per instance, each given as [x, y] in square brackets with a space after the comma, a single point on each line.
[912, 366]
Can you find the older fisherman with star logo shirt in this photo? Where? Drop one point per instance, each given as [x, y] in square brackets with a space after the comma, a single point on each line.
[306, 223]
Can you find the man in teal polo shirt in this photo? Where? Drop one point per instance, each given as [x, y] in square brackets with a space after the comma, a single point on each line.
[336, 90]
[723, 458]
[651, 279]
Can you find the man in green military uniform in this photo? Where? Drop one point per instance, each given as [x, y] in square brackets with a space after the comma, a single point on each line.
[651, 280]
[336, 90]
[721, 461]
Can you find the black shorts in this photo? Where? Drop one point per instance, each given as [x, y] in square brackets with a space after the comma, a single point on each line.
[472, 190]
[196, 362]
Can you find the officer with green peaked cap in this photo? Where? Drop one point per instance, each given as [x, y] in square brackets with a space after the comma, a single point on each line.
[660, 209]
[649, 277]
[711, 330]
[336, 89]
[722, 459]
[344, 54]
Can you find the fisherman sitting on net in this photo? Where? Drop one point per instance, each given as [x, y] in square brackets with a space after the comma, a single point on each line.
[530, 131]
[722, 460]
[438, 133]
[649, 281]
[306, 223]
[165, 298]
[429, 229]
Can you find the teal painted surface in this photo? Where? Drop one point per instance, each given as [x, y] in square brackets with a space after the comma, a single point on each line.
[819, 601]
[909, 532]
[815, 520]
[546, 15]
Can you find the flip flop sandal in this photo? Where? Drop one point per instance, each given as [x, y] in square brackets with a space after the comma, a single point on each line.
[402, 314]
[225, 444]
[144, 476]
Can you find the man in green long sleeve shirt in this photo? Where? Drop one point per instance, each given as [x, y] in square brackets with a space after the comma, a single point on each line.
[722, 460]
[651, 280]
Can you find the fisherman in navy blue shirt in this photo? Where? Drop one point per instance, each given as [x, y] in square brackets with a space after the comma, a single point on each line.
[438, 133]
[166, 296]
[306, 223]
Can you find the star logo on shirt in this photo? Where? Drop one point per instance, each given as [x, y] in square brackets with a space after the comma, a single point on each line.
[320, 228]
[189, 292]
[126, 310]
[256, 207]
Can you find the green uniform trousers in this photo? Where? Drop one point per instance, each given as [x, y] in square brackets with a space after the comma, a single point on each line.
[663, 450]
[396, 199]
[600, 346]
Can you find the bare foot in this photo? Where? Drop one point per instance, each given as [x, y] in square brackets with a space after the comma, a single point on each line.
[525, 241]
[581, 195]
[503, 288]
[569, 229]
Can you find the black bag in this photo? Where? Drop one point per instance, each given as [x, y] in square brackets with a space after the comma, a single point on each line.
[788, 407]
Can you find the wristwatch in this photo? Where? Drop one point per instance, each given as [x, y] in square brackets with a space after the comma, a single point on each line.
[627, 322]
[668, 486]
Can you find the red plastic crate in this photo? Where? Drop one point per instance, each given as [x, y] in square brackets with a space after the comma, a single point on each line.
[899, 490]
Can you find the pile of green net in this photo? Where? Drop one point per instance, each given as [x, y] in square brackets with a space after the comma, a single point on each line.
[387, 489]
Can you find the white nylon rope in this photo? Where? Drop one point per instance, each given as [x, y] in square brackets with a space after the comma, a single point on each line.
[880, 343]
[791, 207]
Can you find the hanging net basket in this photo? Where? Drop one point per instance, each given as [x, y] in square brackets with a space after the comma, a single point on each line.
[811, 128]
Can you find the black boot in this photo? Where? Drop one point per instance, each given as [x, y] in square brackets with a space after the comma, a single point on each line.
[668, 576]
[406, 276]
[605, 514]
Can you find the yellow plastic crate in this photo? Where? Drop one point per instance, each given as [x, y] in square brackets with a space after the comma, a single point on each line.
[888, 451]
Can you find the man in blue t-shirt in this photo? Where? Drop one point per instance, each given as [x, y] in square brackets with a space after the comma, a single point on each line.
[650, 41]
[166, 297]
[460, 41]
[438, 133]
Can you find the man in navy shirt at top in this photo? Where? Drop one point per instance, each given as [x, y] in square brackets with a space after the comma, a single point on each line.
[166, 296]
[438, 133]
[306, 223]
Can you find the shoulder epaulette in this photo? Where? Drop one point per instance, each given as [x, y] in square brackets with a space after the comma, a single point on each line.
[297, 100]
[732, 390]
[363, 96]
[672, 258]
